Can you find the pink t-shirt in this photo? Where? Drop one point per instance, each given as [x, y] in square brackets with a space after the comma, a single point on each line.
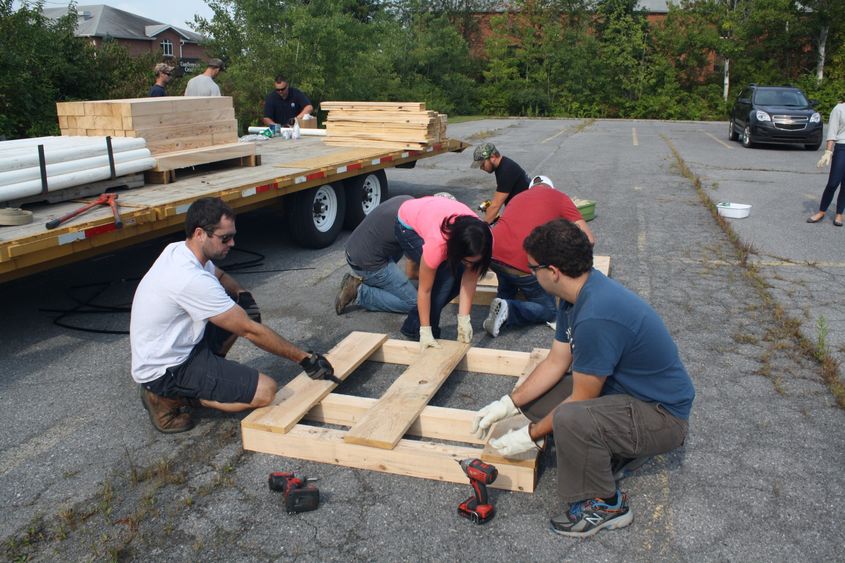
[424, 216]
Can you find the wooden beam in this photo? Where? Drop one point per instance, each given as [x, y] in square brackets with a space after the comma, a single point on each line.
[297, 397]
[477, 360]
[422, 459]
[440, 423]
[385, 424]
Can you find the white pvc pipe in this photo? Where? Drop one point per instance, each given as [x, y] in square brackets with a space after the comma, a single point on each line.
[15, 158]
[33, 187]
[34, 173]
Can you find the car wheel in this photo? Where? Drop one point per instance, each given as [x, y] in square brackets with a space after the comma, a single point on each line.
[746, 137]
[315, 216]
[813, 147]
[732, 136]
[363, 194]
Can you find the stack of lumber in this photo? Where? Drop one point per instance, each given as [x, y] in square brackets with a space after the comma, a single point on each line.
[170, 123]
[69, 162]
[386, 125]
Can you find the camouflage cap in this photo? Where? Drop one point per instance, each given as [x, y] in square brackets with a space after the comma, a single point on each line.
[162, 68]
[482, 153]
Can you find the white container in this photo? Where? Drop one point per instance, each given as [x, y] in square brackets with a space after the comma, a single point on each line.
[733, 210]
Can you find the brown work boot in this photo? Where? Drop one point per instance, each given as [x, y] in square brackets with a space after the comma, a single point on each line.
[348, 292]
[166, 414]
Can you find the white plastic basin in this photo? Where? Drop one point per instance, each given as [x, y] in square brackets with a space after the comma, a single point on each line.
[733, 210]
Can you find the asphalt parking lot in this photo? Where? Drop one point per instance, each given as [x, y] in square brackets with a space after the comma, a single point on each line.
[84, 476]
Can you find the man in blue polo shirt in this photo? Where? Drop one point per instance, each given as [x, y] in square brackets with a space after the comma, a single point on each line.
[629, 395]
[285, 103]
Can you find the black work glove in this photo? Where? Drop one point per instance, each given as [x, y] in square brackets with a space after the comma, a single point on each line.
[316, 366]
[248, 304]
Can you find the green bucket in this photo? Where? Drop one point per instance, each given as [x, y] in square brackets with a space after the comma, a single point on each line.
[586, 207]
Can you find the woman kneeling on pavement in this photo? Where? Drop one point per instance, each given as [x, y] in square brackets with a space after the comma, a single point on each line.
[450, 243]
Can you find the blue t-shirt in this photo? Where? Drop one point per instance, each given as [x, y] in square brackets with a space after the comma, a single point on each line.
[614, 334]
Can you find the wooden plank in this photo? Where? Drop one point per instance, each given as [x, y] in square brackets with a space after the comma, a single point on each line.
[440, 423]
[385, 424]
[411, 458]
[297, 397]
[338, 158]
[177, 118]
[173, 132]
[477, 360]
[369, 106]
[204, 155]
[387, 145]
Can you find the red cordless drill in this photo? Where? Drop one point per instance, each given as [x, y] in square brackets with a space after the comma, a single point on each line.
[299, 495]
[480, 475]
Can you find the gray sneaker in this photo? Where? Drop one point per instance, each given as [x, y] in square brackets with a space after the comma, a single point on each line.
[587, 517]
[496, 317]
[348, 292]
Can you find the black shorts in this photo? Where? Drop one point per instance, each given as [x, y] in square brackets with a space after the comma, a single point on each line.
[205, 375]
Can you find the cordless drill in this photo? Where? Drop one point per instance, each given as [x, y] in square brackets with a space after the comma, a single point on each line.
[299, 495]
[480, 475]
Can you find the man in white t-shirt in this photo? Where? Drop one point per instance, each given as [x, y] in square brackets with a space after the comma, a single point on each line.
[187, 313]
[204, 84]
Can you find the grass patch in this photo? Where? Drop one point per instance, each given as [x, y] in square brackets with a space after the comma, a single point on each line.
[467, 118]
[786, 331]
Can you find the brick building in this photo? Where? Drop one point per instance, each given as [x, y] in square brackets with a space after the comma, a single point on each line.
[140, 35]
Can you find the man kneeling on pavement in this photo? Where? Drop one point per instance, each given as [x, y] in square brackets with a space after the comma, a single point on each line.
[187, 314]
[628, 396]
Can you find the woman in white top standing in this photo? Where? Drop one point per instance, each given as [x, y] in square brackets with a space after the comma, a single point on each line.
[834, 155]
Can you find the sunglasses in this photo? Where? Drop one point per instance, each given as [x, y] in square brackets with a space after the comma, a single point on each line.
[281, 89]
[223, 238]
[535, 267]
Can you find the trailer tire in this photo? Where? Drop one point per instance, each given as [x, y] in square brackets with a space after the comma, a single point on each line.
[363, 194]
[315, 216]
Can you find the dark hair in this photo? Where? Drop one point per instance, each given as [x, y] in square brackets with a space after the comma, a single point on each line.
[561, 244]
[206, 213]
[280, 78]
[467, 236]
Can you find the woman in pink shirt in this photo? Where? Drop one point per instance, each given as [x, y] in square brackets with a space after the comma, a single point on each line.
[450, 243]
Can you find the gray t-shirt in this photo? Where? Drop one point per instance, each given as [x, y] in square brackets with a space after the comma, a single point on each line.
[373, 243]
[202, 85]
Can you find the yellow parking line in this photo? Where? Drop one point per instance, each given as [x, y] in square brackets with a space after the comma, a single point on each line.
[634, 136]
[727, 146]
[555, 136]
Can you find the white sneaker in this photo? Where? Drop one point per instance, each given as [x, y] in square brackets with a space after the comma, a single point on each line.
[496, 317]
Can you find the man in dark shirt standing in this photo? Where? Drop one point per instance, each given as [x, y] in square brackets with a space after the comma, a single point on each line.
[284, 104]
[511, 179]
[162, 72]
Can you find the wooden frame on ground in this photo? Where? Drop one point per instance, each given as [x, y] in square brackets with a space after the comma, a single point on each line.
[375, 439]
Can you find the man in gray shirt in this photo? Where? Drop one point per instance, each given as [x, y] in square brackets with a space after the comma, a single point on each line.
[372, 251]
[204, 84]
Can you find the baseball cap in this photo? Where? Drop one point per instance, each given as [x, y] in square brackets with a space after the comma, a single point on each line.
[447, 195]
[162, 68]
[537, 180]
[482, 152]
[215, 63]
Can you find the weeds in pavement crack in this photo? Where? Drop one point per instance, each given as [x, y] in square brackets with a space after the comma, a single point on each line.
[786, 332]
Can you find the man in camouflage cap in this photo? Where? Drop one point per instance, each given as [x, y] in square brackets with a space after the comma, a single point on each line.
[162, 72]
[511, 179]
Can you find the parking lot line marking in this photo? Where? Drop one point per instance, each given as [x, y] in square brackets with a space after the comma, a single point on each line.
[724, 144]
[634, 136]
[556, 135]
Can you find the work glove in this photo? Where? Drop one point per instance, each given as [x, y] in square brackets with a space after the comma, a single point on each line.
[316, 366]
[248, 304]
[825, 159]
[514, 442]
[495, 411]
[464, 329]
[427, 339]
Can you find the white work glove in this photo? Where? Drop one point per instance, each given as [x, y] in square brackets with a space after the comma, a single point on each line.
[464, 329]
[495, 411]
[427, 339]
[825, 159]
[514, 442]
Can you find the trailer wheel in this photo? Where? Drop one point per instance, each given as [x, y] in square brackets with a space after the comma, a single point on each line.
[315, 216]
[363, 194]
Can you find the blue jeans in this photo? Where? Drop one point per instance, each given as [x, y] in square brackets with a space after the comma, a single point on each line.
[538, 307]
[835, 180]
[386, 289]
[446, 286]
